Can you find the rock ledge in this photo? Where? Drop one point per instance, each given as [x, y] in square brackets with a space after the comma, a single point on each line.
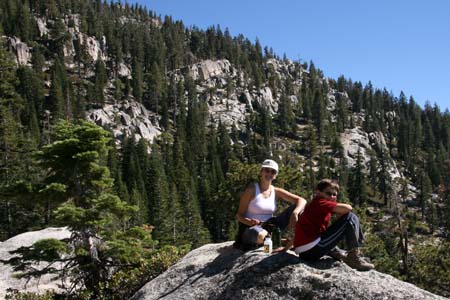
[217, 271]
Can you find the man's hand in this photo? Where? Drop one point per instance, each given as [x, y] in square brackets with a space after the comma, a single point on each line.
[280, 250]
[287, 247]
[293, 220]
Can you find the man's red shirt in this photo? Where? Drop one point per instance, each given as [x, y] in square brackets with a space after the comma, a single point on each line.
[313, 221]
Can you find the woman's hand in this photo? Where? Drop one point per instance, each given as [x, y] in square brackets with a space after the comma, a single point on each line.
[255, 222]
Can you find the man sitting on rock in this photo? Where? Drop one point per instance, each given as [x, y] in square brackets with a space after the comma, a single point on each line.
[314, 238]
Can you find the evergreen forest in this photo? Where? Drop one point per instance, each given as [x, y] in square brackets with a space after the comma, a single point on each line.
[137, 205]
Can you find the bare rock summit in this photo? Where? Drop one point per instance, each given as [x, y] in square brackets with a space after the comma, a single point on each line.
[218, 271]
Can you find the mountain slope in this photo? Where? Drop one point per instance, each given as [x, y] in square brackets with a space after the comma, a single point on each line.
[195, 111]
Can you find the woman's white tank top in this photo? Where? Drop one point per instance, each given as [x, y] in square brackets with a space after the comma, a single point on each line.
[262, 208]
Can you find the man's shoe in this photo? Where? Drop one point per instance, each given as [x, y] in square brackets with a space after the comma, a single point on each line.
[354, 260]
[337, 253]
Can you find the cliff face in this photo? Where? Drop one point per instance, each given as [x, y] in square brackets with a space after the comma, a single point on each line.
[218, 271]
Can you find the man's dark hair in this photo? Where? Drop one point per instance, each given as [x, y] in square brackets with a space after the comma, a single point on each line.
[325, 183]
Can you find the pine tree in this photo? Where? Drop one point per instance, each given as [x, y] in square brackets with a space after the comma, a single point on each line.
[25, 23]
[59, 93]
[341, 84]
[286, 117]
[59, 37]
[310, 147]
[31, 89]
[211, 175]
[162, 206]
[55, 102]
[176, 219]
[384, 178]
[101, 244]
[174, 38]
[257, 75]
[319, 115]
[356, 97]
[94, 27]
[142, 160]
[12, 155]
[116, 173]
[155, 83]
[137, 199]
[357, 190]
[341, 113]
[223, 147]
[262, 124]
[273, 80]
[9, 166]
[133, 174]
[238, 151]
[305, 98]
[100, 81]
[136, 81]
[446, 199]
[374, 170]
[196, 135]
[193, 231]
[425, 193]
[324, 168]
[433, 169]
[431, 216]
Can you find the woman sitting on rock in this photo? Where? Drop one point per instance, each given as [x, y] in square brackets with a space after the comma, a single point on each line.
[258, 204]
[314, 238]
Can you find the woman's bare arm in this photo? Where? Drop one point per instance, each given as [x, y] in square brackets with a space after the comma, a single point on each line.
[246, 197]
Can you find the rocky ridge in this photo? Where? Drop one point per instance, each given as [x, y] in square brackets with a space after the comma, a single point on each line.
[218, 271]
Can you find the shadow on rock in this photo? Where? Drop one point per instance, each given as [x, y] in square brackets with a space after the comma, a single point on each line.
[226, 261]
[263, 273]
[233, 270]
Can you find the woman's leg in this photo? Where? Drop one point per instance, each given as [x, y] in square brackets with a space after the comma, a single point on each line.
[281, 221]
[254, 235]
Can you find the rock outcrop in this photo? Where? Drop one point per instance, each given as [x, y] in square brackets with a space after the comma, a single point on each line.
[42, 26]
[21, 50]
[209, 68]
[7, 278]
[129, 118]
[356, 139]
[218, 271]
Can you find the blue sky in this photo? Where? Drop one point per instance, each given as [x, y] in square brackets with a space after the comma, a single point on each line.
[398, 44]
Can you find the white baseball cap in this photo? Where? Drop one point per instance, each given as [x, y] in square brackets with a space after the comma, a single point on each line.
[268, 163]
